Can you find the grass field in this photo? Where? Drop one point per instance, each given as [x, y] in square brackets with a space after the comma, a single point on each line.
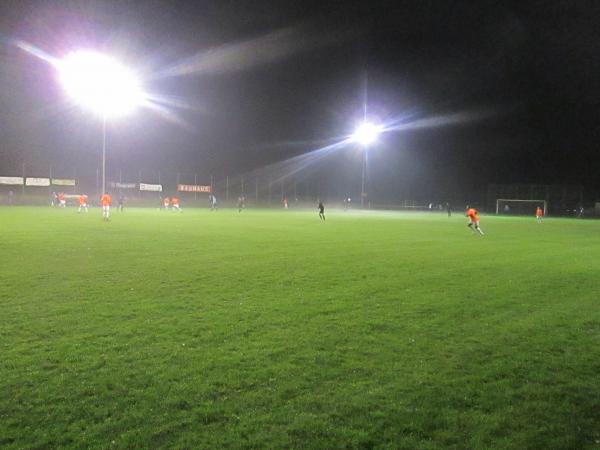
[271, 329]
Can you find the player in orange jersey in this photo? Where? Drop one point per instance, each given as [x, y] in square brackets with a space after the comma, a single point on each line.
[105, 201]
[62, 200]
[82, 203]
[175, 204]
[473, 216]
[539, 214]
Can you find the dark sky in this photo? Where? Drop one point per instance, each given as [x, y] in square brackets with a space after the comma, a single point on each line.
[287, 76]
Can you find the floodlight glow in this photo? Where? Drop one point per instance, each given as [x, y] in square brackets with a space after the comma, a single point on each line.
[100, 83]
[366, 133]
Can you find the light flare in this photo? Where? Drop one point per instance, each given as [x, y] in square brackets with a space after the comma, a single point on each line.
[258, 51]
[38, 53]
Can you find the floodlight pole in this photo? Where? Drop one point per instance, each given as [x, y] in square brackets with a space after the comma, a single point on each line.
[364, 169]
[103, 154]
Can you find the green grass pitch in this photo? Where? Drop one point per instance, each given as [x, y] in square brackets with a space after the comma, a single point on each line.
[272, 329]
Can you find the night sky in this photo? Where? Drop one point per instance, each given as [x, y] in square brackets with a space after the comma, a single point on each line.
[284, 78]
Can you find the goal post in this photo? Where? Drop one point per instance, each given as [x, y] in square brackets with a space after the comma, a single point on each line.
[519, 207]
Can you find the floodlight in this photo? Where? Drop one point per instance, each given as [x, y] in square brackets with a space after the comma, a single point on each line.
[366, 133]
[99, 83]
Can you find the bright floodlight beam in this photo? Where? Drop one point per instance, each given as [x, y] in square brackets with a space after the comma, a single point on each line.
[366, 134]
[101, 85]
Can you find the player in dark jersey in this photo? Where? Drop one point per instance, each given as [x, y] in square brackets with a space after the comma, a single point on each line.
[321, 211]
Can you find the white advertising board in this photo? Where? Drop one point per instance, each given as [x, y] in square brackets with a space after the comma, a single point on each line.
[151, 187]
[62, 182]
[11, 180]
[37, 181]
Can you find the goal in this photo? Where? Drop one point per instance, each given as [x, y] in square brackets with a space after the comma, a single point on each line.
[517, 206]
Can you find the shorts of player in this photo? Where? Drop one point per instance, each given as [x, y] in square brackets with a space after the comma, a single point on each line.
[474, 223]
[63, 202]
[83, 205]
[105, 209]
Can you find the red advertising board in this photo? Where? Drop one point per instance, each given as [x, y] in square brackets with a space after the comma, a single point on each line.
[193, 188]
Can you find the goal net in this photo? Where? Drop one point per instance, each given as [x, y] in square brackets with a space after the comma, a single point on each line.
[519, 207]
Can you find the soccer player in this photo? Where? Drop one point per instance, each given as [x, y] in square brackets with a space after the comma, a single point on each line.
[539, 214]
[166, 203]
[175, 204]
[448, 209]
[213, 203]
[121, 202]
[473, 216]
[105, 201]
[62, 200]
[241, 203]
[321, 211]
[82, 203]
